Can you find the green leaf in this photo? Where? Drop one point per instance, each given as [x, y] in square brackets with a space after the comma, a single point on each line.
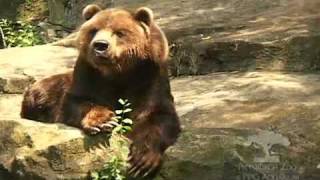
[127, 105]
[127, 128]
[95, 175]
[119, 112]
[122, 102]
[127, 121]
[118, 128]
[105, 177]
[127, 110]
[115, 119]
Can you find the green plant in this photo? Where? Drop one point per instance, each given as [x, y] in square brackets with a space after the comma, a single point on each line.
[28, 2]
[20, 34]
[115, 168]
[111, 171]
[121, 120]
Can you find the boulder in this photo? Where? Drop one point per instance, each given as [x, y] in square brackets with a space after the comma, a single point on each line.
[22, 66]
[235, 125]
[68, 14]
[236, 35]
[246, 126]
[31, 150]
[217, 35]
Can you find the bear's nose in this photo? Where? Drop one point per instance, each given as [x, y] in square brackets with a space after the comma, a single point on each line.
[100, 46]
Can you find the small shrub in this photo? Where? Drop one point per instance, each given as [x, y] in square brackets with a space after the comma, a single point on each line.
[115, 168]
[20, 34]
[122, 122]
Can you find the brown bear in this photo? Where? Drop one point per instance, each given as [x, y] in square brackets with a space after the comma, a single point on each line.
[122, 54]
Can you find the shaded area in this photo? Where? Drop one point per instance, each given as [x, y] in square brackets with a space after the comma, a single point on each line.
[4, 173]
[33, 150]
[246, 99]
[9, 8]
[25, 10]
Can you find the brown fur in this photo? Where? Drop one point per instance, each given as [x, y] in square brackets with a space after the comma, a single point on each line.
[132, 65]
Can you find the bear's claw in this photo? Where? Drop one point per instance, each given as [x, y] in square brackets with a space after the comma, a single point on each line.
[98, 119]
[105, 127]
[92, 130]
[143, 165]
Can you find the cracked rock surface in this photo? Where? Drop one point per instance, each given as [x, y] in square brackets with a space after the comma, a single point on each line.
[229, 120]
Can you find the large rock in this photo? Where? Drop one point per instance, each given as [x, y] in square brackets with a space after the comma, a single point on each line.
[237, 35]
[234, 125]
[246, 125]
[22, 66]
[228, 35]
[68, 14]
[31, 150]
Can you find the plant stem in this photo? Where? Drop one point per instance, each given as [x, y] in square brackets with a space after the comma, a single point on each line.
[2, 38]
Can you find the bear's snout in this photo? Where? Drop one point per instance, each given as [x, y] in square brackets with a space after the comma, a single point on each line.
[100, 47]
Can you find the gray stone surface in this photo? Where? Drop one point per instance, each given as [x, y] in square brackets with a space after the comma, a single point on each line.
[241, 124]
[10, 105]
[31, 150]
[13, 84]
[231, 121]
[68, 13]
[22, 66]
[37, 62]
[237, 35]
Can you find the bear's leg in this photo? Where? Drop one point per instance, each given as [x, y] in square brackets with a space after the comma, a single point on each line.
[37, 106]
[97, 119]
[91, 118]
[150, 138]
[42, 100]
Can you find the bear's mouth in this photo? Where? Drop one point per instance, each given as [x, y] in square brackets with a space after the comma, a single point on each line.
[103, 59]
[101, 55]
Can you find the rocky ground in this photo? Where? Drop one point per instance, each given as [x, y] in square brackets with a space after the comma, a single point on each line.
[229, 120]
[214, 35]
[237, 35]
[253, 117]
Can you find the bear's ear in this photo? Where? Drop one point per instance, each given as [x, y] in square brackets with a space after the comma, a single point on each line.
[90, 10]
[144, 15]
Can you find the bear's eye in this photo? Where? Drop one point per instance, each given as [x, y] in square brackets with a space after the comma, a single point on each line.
[120, 34]
[93, 32]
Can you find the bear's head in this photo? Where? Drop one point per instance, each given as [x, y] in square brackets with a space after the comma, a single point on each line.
[115, 39]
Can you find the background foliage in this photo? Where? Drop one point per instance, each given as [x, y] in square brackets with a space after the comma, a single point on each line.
[116, 167]
[20, 34]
